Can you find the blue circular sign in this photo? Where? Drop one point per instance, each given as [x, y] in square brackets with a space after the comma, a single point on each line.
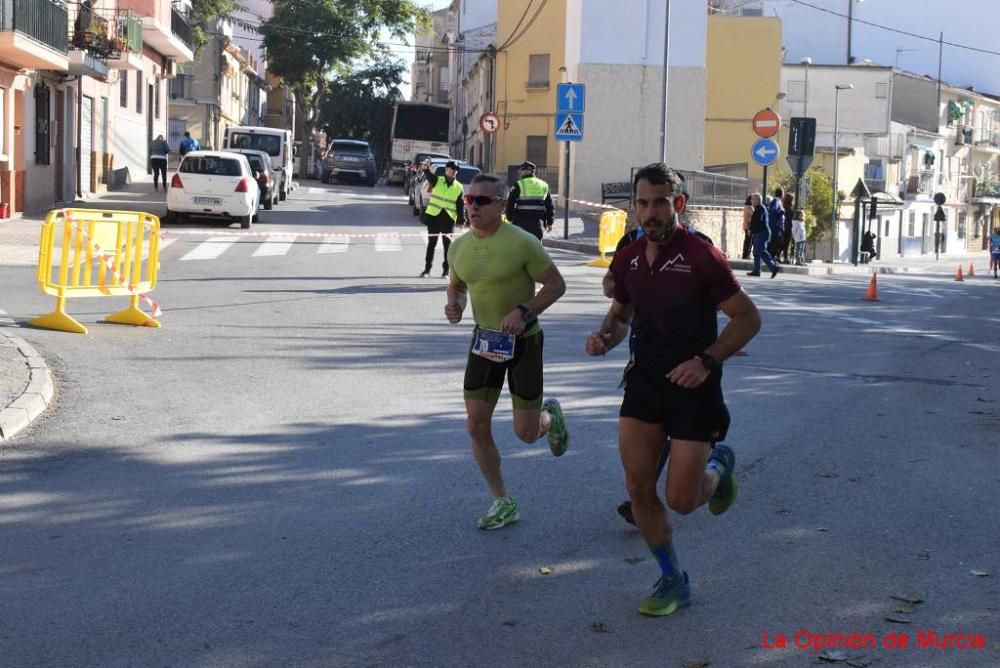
[765, 152]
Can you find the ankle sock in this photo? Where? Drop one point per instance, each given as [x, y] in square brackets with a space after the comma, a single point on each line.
[667, 558]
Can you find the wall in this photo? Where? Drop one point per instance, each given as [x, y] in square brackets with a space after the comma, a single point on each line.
[743, 71]
[130, 142]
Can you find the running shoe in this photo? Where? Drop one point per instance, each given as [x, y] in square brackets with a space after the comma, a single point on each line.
[501, 513]
[725, 493]
[558, 434]
[669, 594]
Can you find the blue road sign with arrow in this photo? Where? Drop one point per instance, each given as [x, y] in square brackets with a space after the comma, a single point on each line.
[765, 152]
[569, 127]
[571, 97]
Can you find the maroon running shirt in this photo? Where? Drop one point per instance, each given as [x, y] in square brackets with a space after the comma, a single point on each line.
[675, 299]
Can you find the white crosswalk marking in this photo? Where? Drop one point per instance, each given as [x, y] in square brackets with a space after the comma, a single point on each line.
[163, 244]
[277, 244]
[334, 245]
[388, 244]
[210, 249]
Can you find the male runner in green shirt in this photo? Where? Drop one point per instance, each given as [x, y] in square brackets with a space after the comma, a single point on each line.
[498, 264]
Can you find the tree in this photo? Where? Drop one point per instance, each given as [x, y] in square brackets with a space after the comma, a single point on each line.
[204, 12]
[307, 39]
[359, 105]
[816, 191]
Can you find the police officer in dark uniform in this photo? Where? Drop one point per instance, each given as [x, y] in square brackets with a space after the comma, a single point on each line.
[529, 205]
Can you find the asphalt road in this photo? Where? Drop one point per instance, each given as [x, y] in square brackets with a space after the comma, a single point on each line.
[280, 475]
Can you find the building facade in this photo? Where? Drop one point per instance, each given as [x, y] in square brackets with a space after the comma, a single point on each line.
[429, 74]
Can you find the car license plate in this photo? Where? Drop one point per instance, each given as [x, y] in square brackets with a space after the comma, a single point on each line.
[207, 200]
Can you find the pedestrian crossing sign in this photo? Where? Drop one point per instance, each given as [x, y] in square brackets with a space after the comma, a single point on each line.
[569, 126]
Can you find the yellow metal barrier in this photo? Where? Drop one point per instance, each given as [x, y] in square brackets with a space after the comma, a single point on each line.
[97, 253]
[610, 233]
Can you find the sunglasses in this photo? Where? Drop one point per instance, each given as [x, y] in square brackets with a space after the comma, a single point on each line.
[479, 200]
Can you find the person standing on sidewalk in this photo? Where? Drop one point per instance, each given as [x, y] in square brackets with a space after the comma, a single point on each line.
[674, 282]
[799, 237]
[497, 266]
[995, 251]
[529, 205]
[776, 221]
[158, 152]
[761, 235]
[443, 211]
[747, 237]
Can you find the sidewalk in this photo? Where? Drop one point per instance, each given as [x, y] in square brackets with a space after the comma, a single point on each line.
[26, 387]
[583, 234]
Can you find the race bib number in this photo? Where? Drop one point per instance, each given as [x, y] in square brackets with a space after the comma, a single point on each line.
[493, 345]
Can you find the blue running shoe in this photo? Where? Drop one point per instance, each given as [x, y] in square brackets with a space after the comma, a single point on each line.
[669, 594]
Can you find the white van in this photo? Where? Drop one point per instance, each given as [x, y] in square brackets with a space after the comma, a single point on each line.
[275, 142]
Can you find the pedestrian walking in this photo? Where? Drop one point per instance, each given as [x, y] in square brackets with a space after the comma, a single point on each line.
[776, 222]
[497, 266]
[443, 211]
[799, 237]
[529, 205]
[674, 282]
[995, 251]
[747, 236]
[188, 144]
[761, 234]
[158, 152]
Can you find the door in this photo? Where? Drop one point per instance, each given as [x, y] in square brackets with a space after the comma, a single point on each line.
[86, 143]
[59, 117]
[150, 109]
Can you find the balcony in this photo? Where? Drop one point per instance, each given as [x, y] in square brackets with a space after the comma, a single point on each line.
[128, 35]
[988, 191]
[987, 140]
[33, 34]
[163, 28]
[875, 185]
[91, 44]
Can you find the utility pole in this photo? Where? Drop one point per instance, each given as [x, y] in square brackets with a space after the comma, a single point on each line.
[940, 59]
[666, 77]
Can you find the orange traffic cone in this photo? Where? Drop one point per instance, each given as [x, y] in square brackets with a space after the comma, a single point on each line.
[958, 276]
[872, 293]
[972, 271]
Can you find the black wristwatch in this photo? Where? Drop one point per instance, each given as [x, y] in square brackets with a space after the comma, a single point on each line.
[707, 361]
[526, 313]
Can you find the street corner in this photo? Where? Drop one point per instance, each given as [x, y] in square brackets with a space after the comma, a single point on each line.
[26, 387]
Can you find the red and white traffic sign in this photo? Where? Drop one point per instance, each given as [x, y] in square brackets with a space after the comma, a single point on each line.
[766, 123]
[489, 122]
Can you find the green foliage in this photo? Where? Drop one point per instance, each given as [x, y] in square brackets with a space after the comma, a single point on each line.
[359, 105]
[204, 12]
[815, 192]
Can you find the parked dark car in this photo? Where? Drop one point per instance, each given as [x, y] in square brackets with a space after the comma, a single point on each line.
[260, 163]
[350, 159]
[421, 194]
[414, 167]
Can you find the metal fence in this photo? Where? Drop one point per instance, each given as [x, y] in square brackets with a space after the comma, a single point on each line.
[549, 174]
[180, 27]
[707, 189]
[43, 20]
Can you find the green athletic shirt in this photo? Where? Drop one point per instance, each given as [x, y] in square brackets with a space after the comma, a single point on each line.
[500, 271]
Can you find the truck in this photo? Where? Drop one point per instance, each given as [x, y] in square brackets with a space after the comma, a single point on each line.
[416, 128]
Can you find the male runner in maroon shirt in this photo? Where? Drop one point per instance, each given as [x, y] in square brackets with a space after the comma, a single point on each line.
[674, 282]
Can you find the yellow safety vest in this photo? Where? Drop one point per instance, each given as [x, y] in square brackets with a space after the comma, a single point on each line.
[532, 192]
[445, 197]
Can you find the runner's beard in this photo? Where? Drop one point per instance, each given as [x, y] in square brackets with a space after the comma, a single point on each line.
[668, 229]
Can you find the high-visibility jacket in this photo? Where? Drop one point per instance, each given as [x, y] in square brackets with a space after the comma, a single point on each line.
[445, 197]
[532, 193]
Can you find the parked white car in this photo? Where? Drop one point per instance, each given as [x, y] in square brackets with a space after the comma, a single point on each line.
[214, 184]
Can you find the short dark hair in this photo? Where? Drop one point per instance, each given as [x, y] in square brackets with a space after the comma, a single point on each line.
[187, 134]
[778, 192]
[659, 174]
[499, 185]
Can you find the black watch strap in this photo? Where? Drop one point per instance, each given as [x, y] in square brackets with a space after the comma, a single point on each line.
[708, 361]
[526, 313]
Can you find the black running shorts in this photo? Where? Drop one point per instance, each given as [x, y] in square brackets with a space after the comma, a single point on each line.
[699, 414]
[484, 379]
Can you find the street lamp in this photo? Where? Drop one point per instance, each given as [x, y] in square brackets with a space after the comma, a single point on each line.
[836, 160]
[807, 61]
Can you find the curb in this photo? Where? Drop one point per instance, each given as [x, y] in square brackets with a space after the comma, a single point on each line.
[36, 397]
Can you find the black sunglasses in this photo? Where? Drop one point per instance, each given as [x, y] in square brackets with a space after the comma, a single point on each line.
[479, 200]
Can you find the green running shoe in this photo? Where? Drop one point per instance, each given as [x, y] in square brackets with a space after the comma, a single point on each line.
[558, 434]
[502, 512]
[669, 594]
[725, 493]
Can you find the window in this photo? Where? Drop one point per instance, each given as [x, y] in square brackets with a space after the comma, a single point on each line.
[940, 163]
[210, 165]
[911, 228]
[538, 71]
[443, 83]
[42, 98]
[536, 149]
[796, 91]
[123, 87]
[881, 91]
[138, 91]
[156, 97]
[961, 224]
[886, 228]
[270, 144]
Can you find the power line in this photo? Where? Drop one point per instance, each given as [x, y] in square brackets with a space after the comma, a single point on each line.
[514, 39]
[520, 21]
[896, 30]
